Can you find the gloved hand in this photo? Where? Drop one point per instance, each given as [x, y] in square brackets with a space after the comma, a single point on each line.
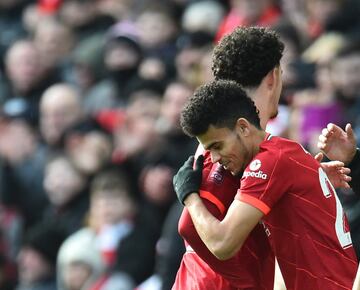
[188, 180]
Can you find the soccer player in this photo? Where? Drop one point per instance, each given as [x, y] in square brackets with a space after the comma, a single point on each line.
[253, 267]
[282, 186]
[250, 268]
[251, 57]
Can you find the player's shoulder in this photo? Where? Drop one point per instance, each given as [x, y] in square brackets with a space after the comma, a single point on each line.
[271, 162]
[273, 152]
[277, 146]
[275, 141]
[270, 148]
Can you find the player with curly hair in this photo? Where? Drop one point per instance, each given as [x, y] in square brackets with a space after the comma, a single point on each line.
[251, 57]
[282, 186]
[252, 268]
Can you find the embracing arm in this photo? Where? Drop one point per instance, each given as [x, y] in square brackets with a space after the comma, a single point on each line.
[223, 238]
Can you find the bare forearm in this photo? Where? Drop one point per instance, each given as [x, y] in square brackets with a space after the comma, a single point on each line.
[223, 238]
[210, 229]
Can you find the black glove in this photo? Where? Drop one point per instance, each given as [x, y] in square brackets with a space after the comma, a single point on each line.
[188, 180]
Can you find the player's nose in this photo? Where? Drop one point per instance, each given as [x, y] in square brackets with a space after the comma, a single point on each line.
[215, 157]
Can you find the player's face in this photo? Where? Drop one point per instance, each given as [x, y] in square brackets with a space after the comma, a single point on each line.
[227, 147]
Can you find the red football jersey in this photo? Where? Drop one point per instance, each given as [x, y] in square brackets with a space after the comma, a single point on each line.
[195, 274]
[304, 219]
[253, 266]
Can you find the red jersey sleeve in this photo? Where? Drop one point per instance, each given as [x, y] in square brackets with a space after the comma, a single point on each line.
[265, 179]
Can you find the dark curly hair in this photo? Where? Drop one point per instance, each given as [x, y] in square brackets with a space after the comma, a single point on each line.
[219, 103]
[246, 55]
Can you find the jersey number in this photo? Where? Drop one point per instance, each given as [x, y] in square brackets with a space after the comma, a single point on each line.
[328, 191]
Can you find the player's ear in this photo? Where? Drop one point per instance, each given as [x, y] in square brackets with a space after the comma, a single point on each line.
[242, 127]
[270, 78]
[271, 81]
[273, 77]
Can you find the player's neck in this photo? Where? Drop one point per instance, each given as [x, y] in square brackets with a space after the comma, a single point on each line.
[264, 118]
[258, 136]
[261, 97]
[264, 111]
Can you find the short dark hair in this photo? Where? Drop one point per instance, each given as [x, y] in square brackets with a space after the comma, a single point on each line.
[220, 103]
[111, 182]
[247, 55]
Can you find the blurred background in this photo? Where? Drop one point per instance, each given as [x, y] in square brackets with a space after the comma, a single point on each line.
[90, 97]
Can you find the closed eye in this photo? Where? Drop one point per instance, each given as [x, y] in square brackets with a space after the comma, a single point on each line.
[215, 147]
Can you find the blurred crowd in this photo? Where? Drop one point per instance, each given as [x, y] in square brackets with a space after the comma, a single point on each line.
[90, 97]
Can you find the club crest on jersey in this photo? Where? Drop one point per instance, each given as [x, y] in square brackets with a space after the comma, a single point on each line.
[255, 165]
[217, 175]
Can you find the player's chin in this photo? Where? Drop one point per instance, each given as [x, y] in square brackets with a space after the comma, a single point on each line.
[274, 114]
[235, 173]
